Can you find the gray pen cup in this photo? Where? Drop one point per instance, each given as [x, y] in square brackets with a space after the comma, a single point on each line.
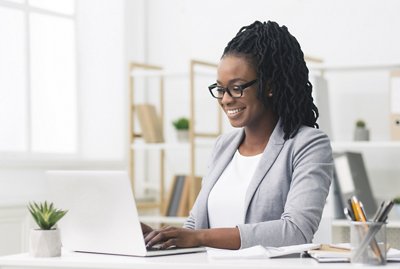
[368, 242]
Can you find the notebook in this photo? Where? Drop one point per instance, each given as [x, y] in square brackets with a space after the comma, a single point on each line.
[102, 215]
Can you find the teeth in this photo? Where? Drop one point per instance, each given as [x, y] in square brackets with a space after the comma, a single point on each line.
[234, 111]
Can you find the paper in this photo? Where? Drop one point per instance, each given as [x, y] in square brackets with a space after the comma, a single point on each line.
[259, 252]
[393, 255]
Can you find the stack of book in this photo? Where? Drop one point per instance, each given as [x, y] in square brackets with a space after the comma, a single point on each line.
[179, 197]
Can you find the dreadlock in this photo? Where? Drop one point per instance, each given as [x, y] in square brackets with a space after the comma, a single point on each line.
[280, 66]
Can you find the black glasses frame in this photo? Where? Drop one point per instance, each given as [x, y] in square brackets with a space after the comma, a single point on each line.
[240, 88]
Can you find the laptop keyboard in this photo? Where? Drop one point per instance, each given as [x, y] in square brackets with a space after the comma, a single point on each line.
[157, 247]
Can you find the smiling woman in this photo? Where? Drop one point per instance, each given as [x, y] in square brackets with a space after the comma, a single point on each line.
[269, 179]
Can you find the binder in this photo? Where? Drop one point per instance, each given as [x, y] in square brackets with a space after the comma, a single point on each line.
[395, 104]
[352, 179]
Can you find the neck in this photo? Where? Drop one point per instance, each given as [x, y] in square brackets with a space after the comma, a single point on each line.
[256, 138]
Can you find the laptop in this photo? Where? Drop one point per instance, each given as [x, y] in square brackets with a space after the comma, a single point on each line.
[102, 215]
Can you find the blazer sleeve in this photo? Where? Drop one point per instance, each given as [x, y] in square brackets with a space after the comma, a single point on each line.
[311, 175]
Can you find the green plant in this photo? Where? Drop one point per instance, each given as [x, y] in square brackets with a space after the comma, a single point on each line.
[181, 124]
[396, 200]
[360, 124]
[45, 215]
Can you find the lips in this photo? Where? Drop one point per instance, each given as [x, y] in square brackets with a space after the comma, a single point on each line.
[233, 112]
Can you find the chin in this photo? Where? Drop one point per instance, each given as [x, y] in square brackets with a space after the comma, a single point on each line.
[236, 124]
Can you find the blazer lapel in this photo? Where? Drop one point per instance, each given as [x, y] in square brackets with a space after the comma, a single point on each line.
[271, 152]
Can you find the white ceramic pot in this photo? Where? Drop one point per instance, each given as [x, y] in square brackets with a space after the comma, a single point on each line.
[182, 135]
[361, 134]
[45, 243]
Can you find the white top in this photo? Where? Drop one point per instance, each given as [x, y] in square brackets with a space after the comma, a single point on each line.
[226, 199]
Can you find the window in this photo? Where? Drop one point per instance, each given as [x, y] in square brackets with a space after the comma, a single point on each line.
[38, 86]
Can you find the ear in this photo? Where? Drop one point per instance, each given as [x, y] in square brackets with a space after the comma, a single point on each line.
[269, 89]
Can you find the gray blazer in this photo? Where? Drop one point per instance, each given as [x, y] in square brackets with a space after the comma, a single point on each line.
[287, 193]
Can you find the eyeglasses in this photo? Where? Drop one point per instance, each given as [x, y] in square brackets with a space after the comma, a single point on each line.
[235, 91]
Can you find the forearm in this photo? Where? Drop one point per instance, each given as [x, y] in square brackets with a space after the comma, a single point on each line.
[228, 238]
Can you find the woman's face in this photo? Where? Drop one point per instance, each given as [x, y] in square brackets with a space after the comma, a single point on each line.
[245, 111]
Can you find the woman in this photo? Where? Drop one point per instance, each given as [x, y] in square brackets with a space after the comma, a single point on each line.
[268, 180]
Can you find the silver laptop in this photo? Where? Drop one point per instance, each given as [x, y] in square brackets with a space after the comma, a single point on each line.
[102, 215]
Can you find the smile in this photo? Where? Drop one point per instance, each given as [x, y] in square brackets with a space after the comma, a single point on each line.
[233, 111]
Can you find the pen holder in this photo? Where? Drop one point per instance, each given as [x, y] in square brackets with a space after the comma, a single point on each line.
[368, 242]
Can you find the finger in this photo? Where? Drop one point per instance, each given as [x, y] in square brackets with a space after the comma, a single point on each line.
[160, 238]
[167, 228]
[145, 228]
[150, 236]
[170, 243]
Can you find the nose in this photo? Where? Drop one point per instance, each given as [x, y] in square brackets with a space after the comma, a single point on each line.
[227, 98]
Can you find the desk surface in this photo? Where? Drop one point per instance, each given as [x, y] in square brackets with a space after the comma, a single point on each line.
[183, 261]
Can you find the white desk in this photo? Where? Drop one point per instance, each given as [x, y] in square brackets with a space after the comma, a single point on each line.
[183, 261]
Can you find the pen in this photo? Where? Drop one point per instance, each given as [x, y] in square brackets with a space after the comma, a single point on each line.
[378, 212]
[347, 214]
[358, 212]
[360, 216]
[363, 210]
[385, 212]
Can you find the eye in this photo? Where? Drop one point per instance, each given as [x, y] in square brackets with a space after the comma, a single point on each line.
[236, 88]
[220, 89]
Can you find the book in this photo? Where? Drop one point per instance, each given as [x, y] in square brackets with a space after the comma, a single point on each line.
[180, 201]
[150, 123]
[174, 197]
[323, 253]
[352, 180]
[336, 254]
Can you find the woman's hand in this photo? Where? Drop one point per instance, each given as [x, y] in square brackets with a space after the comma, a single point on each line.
[146, 229]
[173, 237]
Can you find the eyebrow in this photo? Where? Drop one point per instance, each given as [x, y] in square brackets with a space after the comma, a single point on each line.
[232, 81]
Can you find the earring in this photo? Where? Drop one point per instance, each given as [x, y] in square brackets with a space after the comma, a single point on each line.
[270, 94]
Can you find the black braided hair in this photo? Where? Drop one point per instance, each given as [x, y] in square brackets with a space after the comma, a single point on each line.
[280, 66]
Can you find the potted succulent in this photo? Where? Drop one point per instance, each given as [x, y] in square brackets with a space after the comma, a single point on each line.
[45, 241]
[182, 128]
[361, 133]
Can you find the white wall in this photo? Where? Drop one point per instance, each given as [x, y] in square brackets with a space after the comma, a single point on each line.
[338, 31]
[361, 32]
[103, 79]
[103, 108]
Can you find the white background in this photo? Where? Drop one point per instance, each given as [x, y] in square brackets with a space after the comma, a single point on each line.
[171, 32]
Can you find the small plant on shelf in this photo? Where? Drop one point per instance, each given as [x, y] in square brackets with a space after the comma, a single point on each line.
[396, 200]
[361, 133]
[360, 124]
[45, 241]
[181, 124]
[182, 127]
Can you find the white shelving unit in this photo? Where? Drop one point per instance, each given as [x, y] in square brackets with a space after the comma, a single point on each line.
[139, 146]
[361, 145]
[361, 92]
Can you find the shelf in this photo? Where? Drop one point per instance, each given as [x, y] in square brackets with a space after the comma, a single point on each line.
[345, 68]
[346, 223]
[344, 145]
[162, 219]
[171, 146]
[161, 73]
